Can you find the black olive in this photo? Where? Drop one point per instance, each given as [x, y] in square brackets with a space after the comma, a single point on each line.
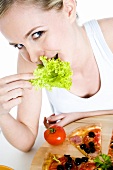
[91, 144]
[111, 142]
[68, 168]
[83, 146]
[111, 146]
[91, 134]
[66, 155]
[69, 159]
[87, 150]
[92, 149]
[84, 159]
[68, 165]
[78, 161]
[60, 167]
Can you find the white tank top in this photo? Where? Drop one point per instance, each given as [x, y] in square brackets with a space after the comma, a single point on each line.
[62, 101]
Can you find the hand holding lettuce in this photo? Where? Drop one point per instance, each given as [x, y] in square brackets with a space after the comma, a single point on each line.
[52, 73]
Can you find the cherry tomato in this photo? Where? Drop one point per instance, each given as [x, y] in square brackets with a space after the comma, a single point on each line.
[55, 135]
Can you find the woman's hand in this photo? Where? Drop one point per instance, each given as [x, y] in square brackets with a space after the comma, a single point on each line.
[12, 91]
[62, 119]
[66, 118]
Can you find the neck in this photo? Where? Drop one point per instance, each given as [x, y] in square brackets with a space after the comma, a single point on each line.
[83, 52]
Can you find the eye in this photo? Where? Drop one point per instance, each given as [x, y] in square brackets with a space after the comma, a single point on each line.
[19, 46]
[37, 34]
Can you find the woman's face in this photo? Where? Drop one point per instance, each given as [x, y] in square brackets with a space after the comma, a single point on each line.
[35, 32]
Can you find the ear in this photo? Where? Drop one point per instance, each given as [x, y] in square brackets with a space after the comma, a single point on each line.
[69, 8]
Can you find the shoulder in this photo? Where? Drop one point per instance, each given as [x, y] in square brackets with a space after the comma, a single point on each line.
[106, 26]
[24, 66]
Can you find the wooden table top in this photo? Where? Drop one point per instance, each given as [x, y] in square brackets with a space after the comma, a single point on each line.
[106, 122]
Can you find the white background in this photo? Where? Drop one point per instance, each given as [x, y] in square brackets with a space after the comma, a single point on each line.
[87, 9]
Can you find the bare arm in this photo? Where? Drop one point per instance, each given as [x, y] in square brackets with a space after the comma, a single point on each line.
[66, 118]
[22, 132]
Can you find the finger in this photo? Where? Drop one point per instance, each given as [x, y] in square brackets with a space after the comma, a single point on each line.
[16, 77]
[55, 118]
[15, 85]
[51, 121]
[46, 124]
[53, 114]
[19, 84]
[12, 103]
[11, 95]
[63, 122]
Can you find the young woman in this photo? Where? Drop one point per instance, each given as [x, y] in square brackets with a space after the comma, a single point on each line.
[49, 27]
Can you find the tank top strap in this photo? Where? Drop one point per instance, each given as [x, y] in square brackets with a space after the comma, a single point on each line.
[96, 38]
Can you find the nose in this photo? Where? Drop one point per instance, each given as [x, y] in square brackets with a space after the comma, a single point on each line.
[32, 55]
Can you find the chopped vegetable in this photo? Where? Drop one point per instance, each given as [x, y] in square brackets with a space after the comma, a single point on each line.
[103, 161]
[52, 73]
[55, 159]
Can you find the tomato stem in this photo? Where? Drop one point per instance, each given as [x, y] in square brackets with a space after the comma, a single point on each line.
[52, 130]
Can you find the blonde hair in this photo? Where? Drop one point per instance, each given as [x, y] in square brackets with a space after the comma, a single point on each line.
[5, 5]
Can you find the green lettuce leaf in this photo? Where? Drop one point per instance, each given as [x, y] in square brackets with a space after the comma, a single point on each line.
[52, 73]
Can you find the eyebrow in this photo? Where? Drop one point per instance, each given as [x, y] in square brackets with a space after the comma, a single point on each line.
[27, 34]
[12, 43]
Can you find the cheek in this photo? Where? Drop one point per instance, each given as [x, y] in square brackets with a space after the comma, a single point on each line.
[54, 42]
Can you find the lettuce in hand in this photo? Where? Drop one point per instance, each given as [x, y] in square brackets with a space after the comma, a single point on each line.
[52, 73]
